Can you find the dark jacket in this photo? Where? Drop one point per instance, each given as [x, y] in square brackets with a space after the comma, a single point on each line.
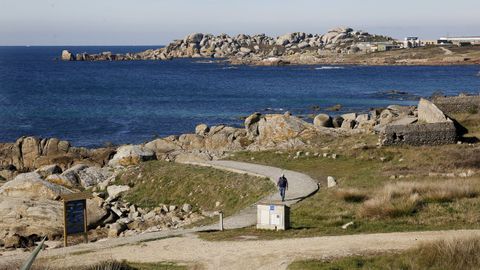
[282, 182]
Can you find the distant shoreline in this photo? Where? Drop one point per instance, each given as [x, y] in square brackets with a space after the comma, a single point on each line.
[342, 45]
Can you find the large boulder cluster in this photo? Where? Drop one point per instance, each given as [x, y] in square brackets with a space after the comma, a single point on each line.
[30, 153]
[199, 45]
[261, 132]
[31, 207]
[374, 121]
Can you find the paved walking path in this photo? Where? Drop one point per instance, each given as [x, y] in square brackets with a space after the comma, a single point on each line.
[300, 186]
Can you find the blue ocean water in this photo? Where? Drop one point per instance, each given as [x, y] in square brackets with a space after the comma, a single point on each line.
[90, 103]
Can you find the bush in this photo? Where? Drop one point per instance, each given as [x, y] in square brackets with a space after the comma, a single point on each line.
[380, 207]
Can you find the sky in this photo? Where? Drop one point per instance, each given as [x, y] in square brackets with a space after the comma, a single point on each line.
[157, 22]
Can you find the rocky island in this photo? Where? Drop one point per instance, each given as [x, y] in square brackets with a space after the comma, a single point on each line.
[342, 45]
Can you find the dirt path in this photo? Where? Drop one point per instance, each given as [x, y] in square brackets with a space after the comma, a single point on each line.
[272, 254]
[446, 51]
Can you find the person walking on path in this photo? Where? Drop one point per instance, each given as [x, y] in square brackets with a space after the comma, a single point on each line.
[282, 186]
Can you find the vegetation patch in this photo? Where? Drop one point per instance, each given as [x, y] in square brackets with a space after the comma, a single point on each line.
[456, 254]
[107, 265]
[405, 198]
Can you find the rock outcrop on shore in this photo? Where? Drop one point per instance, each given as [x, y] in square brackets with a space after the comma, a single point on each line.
[257, 47]
[30, 153]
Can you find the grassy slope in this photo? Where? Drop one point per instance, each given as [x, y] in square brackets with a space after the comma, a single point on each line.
[157, 182]
[369, 169]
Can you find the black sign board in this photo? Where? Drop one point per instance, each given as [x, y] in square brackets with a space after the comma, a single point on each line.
[75, 216]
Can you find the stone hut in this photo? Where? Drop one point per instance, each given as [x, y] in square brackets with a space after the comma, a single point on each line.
[432, 127]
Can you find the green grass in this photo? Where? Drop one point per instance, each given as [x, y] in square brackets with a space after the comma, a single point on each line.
[158, 182]
[461, 254]
[157, 266]
[367, 170]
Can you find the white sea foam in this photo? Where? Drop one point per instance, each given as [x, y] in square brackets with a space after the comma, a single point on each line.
[329, 67]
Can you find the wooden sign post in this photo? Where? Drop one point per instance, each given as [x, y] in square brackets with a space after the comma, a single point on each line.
[75, 215]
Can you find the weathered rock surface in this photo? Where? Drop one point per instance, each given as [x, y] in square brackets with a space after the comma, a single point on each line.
[47, 170]
[430, 113]
[92, 176]
[27, 218]
[276, 128]
[114, 191]
[31, 185]
[323, 120]
[131, 155]
[162, 146]
[331, 182]
[201, 129]
[251, 123]
[30, 153]
[67, 56]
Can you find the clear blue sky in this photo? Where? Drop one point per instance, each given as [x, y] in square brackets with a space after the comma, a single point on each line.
[154, 22]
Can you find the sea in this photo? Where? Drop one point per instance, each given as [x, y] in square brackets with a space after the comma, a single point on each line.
[91, 104]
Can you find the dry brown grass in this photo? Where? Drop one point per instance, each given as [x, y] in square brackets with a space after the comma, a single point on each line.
[452, 254]
[405, 198]
[106, 265]
[351, 195]
[448, 254]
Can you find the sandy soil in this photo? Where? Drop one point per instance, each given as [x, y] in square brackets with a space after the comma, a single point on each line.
[272, 254]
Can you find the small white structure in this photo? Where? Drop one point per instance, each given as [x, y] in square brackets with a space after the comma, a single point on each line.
[411, 42]
[273, 216]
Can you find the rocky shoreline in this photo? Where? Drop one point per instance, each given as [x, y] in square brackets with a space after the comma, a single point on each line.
[38, 171]
[339, 46]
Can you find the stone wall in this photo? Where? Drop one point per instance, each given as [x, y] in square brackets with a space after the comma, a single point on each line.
[458, 104]
[420, 134]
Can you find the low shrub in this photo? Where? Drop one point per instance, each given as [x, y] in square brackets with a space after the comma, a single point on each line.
[385, 206]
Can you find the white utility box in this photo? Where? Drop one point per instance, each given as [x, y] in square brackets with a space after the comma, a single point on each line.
[273, 216]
